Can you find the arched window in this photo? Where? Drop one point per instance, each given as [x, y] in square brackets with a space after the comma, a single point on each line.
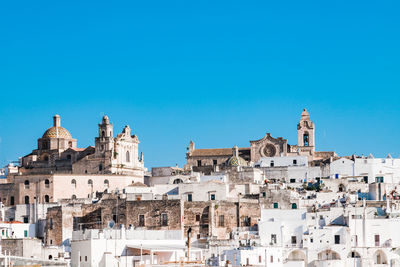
[46, 199]
[342, 188]
[70, 144]
[294, 206]
[178, 181]
[73, 197]
[47, 183]
[73, 182]
[50, 257]
[106, 183]
[90, 182]
[26, 199]
[306, 139]
[45, 145]
[127, 156]
[26, 183]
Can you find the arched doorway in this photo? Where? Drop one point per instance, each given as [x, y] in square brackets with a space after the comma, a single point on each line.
[296, 255]
[328, 255]
[380, 257]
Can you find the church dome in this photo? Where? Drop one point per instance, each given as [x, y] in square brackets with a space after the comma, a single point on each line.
[57, 132]
[236, 161]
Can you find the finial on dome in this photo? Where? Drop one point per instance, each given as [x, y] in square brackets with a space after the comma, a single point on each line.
[235, 151]
[57, 121]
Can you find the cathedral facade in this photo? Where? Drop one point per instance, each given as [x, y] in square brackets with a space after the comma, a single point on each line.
[207, 159]
[58, 169]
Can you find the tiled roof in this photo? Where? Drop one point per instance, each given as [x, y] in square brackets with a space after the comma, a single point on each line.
[215, 151]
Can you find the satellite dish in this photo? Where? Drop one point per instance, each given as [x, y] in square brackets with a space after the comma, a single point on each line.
[111, 224]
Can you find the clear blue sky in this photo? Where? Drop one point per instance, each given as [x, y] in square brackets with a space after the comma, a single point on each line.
[218, 72]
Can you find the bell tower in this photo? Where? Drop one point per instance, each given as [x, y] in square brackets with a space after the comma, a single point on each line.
[105, 140]
[306, 133]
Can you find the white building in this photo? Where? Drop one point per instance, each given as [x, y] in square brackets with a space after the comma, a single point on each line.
[128, 247]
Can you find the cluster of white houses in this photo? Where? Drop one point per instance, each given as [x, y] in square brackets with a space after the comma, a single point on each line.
[271, 204]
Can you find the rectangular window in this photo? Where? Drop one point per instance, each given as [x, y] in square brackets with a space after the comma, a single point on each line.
[214, 162]
[292, 180]
[25, 233]
[337, 239]
[246, 221]
[197, 217]
[377, 241]
[276, 205]
[273, 238]
[264, 194]
[295, 162]
[212, 197]
[379, 179]
[164, 219]
[272, 164]
[294, 240]
[199, 163]
[26, 219]
[189, 197]
[221, 220]
[141, 220]
[311, 240]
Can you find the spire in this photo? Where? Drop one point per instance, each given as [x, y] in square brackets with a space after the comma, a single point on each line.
[305, 115]
[106, 120]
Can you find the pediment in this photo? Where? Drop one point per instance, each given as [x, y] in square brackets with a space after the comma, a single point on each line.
[268, 139]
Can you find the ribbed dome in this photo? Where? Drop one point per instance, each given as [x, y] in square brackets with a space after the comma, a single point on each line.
[57, 132]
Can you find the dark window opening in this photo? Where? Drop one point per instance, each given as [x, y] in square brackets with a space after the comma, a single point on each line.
[141, 220]
[26, 199]
[199, 163]
[47, 183]
[214, 162]
[189, 197]
[337, 239]
[164, 219]
[46, 199]
[221, 220]
[306, 139]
